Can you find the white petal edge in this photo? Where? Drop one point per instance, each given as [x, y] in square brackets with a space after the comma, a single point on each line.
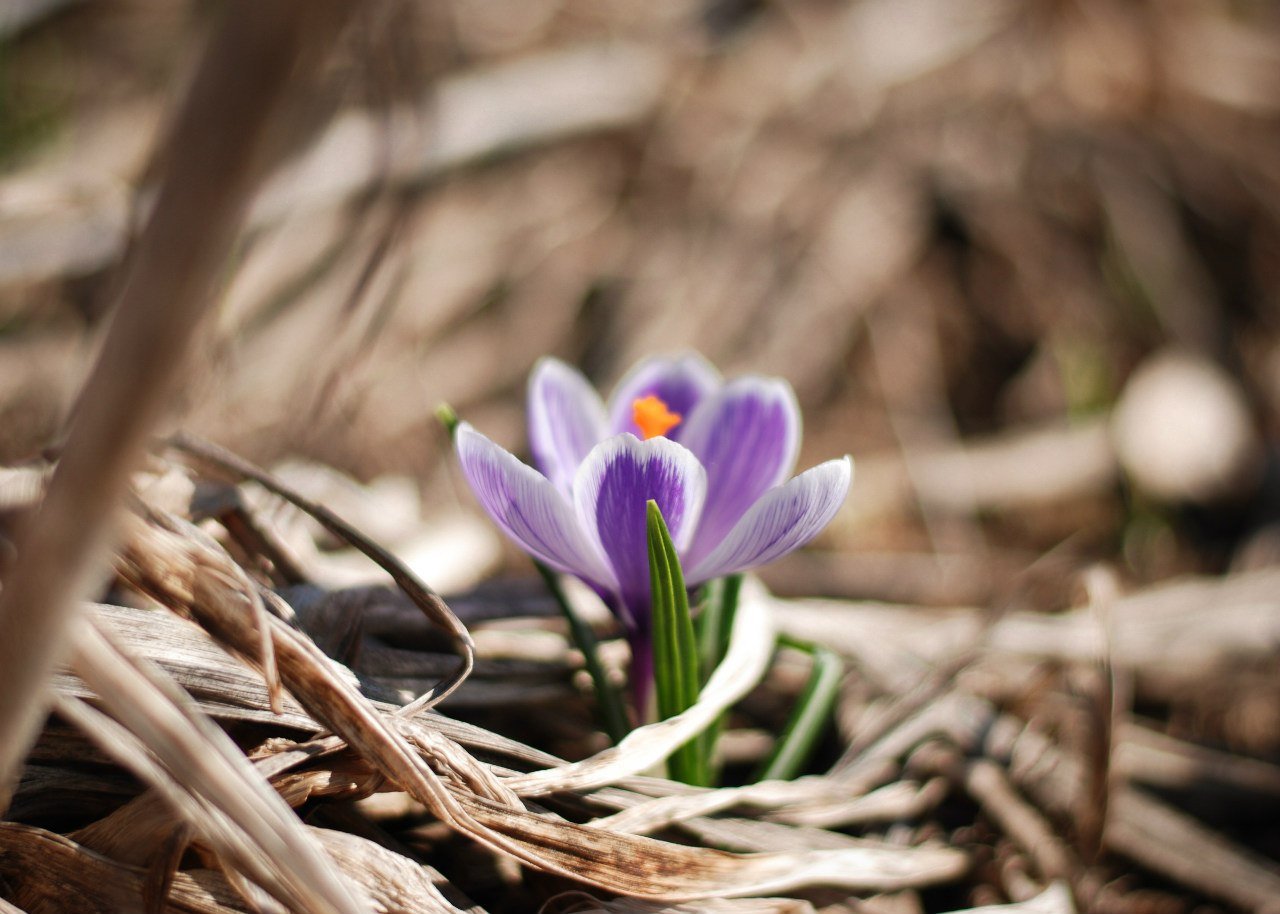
[560, 443]
[784, 519]
[530, 510]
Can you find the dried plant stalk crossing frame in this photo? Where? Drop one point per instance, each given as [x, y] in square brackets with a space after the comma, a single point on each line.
[216, 157]
[426, 599]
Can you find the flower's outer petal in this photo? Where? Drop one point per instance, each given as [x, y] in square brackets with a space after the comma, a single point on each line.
[566, 420]
[611, 490]
[679, 381]
[529, 508]
[784, 519]
[746, 435]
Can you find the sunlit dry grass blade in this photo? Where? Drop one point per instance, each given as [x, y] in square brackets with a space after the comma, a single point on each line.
[226, 801]
[47, 871]
[216, 158]
[585, 904]
[1056, 899]
[228, 690]
[222, 687]
[750, 647]
[835, 804]
[422, 595]
[170, 559]
[131, 832]
[648, 868]
[394, 883]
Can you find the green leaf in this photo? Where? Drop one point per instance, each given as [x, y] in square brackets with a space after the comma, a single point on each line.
[675, 649]
[713, 626]
[613, 713]
[716, 621]
[448, 418]
[809, 718]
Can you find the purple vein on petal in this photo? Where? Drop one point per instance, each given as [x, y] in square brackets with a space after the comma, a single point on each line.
[747, 436]
[566, 420]
[680, 381]
[783, 520]
[529, 508]
[610, 492]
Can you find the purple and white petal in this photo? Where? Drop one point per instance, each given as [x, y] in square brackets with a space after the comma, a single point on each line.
[747, 436]
[530, 509]
[783, 520]
[680, 381]
[611, 491]
[566, 420]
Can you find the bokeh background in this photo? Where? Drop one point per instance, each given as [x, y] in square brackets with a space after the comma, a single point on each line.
[1020, 258]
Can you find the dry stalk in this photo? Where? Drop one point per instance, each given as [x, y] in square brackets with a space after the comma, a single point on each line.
[216, 158]
[204, 776]
[427, 600]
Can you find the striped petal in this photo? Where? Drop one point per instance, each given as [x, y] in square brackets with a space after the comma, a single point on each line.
[681, 382]
[610, 492]
[524, 503]
[783, 520]
[747, 436]
[566, 420]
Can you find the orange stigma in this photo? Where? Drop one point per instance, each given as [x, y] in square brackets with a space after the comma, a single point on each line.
[653, 417]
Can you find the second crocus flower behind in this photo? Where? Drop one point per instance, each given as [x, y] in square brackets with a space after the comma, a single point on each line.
[717, 458]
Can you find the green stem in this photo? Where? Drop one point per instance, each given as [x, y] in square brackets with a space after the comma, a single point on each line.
[613, 713]
[716, 621]
[810, 716]
[714, 626]
[448, 418]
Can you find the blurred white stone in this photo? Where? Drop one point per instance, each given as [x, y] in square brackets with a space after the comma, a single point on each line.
[1183, 431]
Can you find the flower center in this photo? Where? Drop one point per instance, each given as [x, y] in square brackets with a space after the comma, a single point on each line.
[653, 417]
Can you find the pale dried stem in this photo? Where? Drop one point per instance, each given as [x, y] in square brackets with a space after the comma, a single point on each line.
[215, 160]
[208, 780]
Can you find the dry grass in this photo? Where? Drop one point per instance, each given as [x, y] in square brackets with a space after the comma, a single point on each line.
[957, 226]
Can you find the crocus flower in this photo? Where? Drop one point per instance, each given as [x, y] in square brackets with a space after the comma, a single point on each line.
[717, 458]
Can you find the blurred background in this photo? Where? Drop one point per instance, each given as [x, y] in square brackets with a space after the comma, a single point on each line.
[1020, 258]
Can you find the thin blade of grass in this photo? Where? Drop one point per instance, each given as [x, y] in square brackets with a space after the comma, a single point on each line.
[229, 802]
[613, 713]
[809, 718]
[716, 621]
[713, 628]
